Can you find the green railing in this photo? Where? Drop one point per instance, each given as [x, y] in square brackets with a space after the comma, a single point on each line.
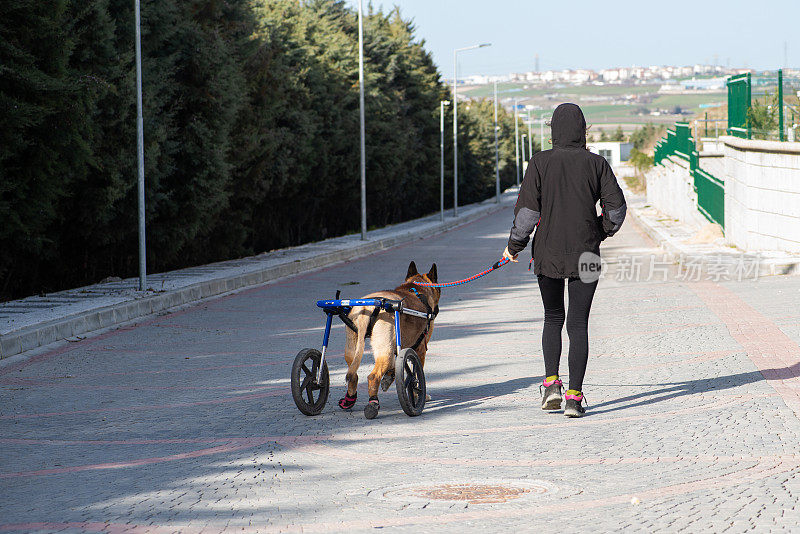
[680, 143]
[677, 142]
[710, 189]
[739, 95]
[710, 192]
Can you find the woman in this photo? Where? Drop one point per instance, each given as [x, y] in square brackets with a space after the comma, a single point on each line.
[558, 197]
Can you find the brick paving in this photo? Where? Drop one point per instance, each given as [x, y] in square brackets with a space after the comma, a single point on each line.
[186, 423]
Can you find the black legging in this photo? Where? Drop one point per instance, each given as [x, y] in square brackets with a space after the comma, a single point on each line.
[580, 303]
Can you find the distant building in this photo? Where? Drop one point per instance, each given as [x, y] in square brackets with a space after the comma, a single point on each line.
[614, 152]
[632, 75]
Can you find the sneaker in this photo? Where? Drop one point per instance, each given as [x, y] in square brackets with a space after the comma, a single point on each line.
[551, 396]
[573, 407]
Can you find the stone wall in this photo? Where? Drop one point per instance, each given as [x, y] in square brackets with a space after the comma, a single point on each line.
[762, 194]
[670, 189]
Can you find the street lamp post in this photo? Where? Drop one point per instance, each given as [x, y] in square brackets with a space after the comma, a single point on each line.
[442, 104]
[516, 137]
[496, 151]
[362, 129]
[523, 151]
[140, 152]
[455, 121]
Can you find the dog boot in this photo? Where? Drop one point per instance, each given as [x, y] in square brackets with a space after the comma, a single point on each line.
[347, 402]
[372, 407]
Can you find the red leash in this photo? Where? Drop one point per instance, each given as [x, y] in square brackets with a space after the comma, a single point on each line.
[496, 265]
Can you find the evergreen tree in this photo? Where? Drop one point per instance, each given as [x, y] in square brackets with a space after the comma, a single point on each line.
[251, 132]
[210, 94]
[86, 242]
[39, 138]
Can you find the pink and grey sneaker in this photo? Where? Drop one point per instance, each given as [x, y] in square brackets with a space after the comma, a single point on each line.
[551, 396]
[573, 407]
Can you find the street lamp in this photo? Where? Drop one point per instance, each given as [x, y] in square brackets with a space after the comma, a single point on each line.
[361, 116]
[140, 152]
[523, 151]
[455, 121]
[442, 104]
[496, 150]
[516, 137]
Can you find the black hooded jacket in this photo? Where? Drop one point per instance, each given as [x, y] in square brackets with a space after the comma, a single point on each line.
[558, 197]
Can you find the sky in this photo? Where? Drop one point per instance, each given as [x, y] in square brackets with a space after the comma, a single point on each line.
[598, 34]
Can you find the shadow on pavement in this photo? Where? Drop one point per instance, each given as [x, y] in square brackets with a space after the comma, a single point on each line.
[673, 390]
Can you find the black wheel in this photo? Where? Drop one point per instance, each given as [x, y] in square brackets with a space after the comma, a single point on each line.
[309, 396]
[410, 382]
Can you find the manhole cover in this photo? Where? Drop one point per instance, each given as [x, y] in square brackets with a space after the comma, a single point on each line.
[485, 492]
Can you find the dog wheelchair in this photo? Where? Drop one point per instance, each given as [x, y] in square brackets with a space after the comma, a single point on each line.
[310, 380]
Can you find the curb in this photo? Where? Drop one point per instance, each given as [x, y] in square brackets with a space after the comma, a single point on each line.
[39, 335]
[653, 233]
[782, 264]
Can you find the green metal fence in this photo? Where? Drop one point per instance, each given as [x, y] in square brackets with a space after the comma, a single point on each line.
[763, 106]
[677, 142]
[758, 100]
[739, 95]
[710, 189]
[710, 192]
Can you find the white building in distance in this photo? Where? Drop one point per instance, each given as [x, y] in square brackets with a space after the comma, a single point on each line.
[614, 152]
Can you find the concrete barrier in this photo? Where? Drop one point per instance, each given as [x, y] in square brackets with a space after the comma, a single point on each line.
[670, 189]
[762, 194]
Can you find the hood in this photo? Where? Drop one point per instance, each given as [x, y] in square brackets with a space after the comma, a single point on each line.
[568, 127]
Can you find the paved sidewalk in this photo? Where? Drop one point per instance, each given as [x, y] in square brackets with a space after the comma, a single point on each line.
[37, 321]
[185, 422]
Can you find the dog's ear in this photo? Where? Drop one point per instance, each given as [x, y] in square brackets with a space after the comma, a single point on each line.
[432, 276]
[412, 270]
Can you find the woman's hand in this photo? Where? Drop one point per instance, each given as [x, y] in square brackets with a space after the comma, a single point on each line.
[507, 255]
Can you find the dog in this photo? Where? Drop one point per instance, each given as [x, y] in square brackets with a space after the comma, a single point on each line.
[413, 330]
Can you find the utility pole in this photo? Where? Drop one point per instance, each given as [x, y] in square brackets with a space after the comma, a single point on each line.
[455, 121]
[781, 133]
[496, 151]
[361, 115]
[442, 104]
[516, 138]
[140, 152]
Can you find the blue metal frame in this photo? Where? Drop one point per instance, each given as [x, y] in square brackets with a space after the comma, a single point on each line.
[397, 329]
[325, 338]
[327, 331]
[336, 306]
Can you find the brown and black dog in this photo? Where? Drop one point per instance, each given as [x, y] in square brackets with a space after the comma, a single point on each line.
[383, 339]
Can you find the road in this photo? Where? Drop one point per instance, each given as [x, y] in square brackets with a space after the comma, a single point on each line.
[185, 422]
